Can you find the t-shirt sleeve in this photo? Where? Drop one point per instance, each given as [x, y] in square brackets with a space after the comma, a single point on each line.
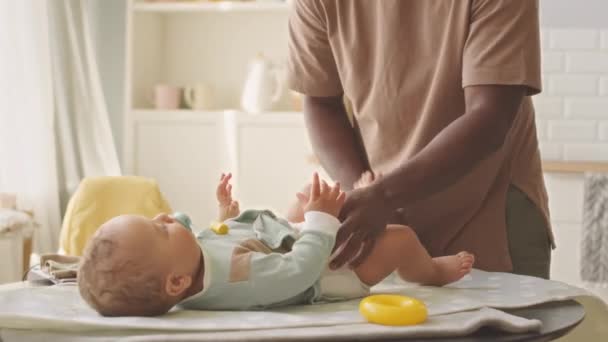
[503, 44]
[311, 64]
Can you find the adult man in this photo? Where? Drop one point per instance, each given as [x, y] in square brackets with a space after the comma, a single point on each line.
[440, 91]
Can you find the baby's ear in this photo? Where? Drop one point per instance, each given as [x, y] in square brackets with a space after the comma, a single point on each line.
[175, 285]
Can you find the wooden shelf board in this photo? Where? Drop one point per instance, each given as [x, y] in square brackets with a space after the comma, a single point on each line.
[174, 114]
[548, 166]
[575, 166]
[207, 6]
[196, 115]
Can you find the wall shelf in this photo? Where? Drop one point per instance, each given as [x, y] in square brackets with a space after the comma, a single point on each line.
[548, 166]
[181, 116]
[574, 167]
[193, 43]
[208, 6]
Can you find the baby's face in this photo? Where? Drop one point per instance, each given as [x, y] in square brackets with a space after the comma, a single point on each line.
[165, 242]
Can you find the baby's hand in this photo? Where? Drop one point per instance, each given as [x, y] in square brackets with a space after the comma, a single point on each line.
[325, 198]
[229, 208]
[367, 178]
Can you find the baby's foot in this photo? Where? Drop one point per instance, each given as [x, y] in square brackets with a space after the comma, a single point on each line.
[452, 268]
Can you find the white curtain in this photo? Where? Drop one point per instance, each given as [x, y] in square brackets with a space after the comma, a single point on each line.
[54, 126]
[28, 165]
[85, 143]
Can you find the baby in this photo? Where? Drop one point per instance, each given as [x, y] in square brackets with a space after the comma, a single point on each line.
[134, 266]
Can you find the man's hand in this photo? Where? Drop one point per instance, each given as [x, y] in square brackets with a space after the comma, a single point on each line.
[325, 198]
[365, 216]
[367, 178]
[228, 208]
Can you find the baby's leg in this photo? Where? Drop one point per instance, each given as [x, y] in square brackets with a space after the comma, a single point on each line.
[398, 248]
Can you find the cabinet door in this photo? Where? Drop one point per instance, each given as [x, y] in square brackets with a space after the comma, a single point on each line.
[184, 157]
[273, 163]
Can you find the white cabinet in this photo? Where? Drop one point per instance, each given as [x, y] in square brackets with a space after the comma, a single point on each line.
[273, 160]
[184, 157]
[268, 154]
[191, 43]
[566, 193]
[565, 206]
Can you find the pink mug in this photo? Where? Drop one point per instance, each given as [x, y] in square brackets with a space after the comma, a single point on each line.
[166, 96]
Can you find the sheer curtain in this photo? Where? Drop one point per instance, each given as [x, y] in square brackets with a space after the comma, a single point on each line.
[54, 126]
[85, 146]
[28, 165]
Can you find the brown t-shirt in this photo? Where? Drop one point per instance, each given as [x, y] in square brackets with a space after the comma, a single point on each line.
[403, 64]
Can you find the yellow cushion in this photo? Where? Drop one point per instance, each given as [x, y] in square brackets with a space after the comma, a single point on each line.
[98, 199]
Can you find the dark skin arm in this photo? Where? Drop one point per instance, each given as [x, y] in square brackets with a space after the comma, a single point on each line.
[334, 140]
[454, 152]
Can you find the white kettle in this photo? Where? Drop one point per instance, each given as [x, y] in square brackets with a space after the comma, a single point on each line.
[263, 86]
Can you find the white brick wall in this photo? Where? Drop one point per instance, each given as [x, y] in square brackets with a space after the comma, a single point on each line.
[605, 40]
[571, 84]
[604, 131]
[570, 130]
[604, 86]
[573, 39]
[572, 111]
[587, 62]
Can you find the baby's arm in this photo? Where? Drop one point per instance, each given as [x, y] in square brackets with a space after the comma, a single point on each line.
[283, 276]
[292, 273]
[228, 208]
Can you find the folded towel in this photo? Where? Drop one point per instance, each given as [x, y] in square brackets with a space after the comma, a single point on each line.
[15, 221]
[59, 266]
[594, 239]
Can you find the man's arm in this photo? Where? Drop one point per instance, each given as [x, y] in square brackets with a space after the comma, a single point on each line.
[455, 151]
[500, 65]
[480, 132]
[334, 140]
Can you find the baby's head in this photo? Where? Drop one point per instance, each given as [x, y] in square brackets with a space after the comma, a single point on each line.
[134, 266]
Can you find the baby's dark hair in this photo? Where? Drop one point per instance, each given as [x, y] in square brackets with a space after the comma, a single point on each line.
[115, 287]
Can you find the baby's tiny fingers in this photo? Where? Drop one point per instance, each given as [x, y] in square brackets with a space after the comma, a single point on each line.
[335, 191]
[324, 188]
[341, 198]
[315, 190]
[302, 197]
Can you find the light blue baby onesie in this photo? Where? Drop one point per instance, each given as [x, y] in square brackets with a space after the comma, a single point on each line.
[245, 271]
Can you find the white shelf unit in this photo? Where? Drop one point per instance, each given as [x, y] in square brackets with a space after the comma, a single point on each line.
[185, 43]
[192, 42]
[213, 6]
[188, 43]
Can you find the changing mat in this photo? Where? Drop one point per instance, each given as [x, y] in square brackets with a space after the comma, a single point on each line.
[455, 310]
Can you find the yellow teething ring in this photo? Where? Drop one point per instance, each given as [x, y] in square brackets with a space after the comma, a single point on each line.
[393, 310]
[219, 228]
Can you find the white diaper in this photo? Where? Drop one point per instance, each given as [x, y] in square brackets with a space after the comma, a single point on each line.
[341, 284]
